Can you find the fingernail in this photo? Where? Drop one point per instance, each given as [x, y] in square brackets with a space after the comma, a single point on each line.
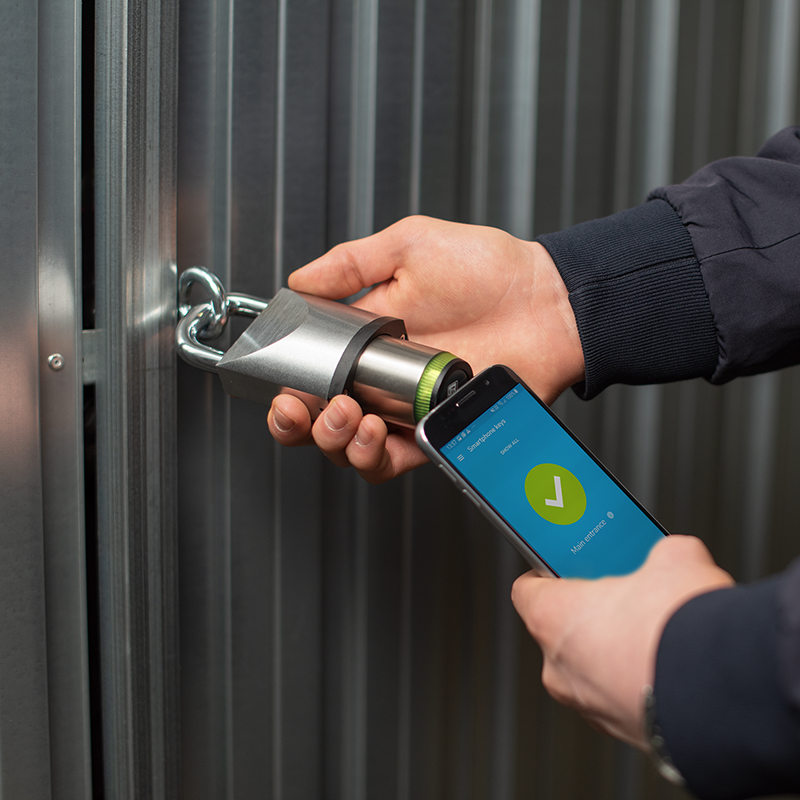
[364, 437]
[283, 423]
[335, 418]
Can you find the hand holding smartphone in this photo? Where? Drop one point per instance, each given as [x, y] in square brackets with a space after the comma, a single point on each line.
[556, 503]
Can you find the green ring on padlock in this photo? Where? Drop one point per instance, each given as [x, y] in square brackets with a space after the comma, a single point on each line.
[427, 383]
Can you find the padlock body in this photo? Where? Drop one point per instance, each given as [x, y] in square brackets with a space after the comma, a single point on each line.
[401, 381]
[301, 342]
[325, 348]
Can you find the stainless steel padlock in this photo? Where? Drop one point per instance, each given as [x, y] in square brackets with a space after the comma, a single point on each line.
[317, 346]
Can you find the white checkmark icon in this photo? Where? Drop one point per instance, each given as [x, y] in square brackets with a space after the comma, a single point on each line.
[559, 501]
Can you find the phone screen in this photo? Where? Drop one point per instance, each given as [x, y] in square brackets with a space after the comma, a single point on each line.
[548, 488]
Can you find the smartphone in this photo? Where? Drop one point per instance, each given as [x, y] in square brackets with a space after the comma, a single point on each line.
[556, 503]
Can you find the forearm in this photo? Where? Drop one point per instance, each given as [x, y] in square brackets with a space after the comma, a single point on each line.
[701, 281]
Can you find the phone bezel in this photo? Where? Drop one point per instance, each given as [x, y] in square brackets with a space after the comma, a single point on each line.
[449, 418]
[469, 402]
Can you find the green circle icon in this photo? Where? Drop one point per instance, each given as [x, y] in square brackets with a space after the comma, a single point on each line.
[555, 494]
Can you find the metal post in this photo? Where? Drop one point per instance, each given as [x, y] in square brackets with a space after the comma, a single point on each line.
[135, 183]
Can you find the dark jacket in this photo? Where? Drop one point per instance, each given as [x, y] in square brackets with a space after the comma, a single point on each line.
[703, 280]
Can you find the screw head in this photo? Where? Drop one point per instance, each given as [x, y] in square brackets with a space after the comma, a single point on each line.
[56, 362]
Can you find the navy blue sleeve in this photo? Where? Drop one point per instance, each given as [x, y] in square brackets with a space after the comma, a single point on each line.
[727, 690]
[636, 288]
[743, 216]
[701, 281]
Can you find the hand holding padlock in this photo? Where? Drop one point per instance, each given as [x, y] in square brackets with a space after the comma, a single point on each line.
[318, 346]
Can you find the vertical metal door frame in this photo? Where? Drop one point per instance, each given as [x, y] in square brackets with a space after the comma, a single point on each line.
[135, 186]
[61, 393]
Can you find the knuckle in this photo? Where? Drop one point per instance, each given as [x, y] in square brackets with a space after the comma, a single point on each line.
[553, 683]
[371, 465]
[518, 592]
[681, 548]
[336, 457]
[375, 478]
[351, 272]
[525, 600]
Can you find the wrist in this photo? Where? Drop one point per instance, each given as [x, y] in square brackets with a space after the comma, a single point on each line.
[561, 357]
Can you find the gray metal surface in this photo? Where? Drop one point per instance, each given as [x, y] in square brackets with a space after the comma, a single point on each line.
[44, 693]
[346, 641]
[137, 595]
[59, 210]
[335, 639]
[25, 757]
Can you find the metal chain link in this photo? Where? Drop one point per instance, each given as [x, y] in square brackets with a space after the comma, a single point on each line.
[214, 324]
[206, 321]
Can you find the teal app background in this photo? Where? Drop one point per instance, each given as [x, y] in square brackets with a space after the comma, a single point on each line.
[497, 452]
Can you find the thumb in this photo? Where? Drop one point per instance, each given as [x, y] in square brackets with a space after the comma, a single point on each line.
[544, 603]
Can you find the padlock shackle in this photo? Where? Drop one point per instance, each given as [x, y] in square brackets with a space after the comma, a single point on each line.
[196, 320]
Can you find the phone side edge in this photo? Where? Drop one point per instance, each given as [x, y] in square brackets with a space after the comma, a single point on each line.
[514, 539]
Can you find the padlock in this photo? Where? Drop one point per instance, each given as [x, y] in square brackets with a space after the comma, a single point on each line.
[318, 346]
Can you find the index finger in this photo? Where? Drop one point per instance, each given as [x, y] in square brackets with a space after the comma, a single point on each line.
[352, 266]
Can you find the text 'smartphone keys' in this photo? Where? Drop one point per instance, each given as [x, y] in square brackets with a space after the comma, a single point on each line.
[556, 503]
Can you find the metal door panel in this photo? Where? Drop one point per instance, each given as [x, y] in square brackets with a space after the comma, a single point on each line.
[372, 624]
[44, 732]
[25, 761]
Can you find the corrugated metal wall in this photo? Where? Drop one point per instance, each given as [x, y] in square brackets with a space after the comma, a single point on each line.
[346, 641]
[188, 610]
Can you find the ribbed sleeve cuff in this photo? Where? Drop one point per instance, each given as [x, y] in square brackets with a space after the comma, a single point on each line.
[638, 296]
[720, 701]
